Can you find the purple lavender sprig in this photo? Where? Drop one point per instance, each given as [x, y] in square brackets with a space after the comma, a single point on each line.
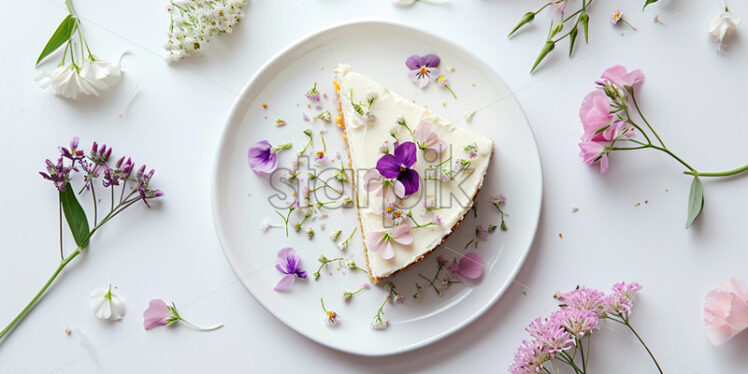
[72, 160]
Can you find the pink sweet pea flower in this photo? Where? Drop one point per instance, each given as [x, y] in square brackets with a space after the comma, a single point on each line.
[594, 113]
[726, 311]
[428, 140]
[157, 314]
[592, 152]
[381, 241]
[620, 77]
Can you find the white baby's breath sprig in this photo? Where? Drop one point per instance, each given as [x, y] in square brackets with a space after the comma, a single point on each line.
[194, 22]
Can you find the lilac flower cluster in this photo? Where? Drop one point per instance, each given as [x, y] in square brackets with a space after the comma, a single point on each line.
[558, 337]
[96, 164]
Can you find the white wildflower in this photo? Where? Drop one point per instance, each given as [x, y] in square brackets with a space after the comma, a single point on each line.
[107, 305]
[722, 24]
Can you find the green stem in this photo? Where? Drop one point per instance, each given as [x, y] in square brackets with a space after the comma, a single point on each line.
[636, 105]
[719, 174]
[450, 91]
[39, 294]
[581, 352]
[122, 206]
[626, 322]
[59, 204]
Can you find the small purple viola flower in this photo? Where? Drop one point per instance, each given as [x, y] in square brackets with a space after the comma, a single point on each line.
[58, 173]
[423, 69]
[73, 153]
[263, 158]
[289, 263]
[143, 180]
[399, 166]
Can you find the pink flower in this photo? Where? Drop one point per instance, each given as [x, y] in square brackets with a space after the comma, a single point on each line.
[389, 188]
[157, 314]
[529, 358]
[620, 77]
[428, 140]
[578, 322]
[560, 5]
[482, 232]
[584, 298]
[551, 334]
[594, 113]
[726, 311]
[592, 152]
[381, 241]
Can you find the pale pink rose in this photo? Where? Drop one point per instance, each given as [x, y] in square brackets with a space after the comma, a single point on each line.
[594, 113]
[620, 77]
[726, 311]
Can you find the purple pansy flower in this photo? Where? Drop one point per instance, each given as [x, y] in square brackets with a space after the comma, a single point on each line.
[423, 69]
[289, 263]
[399, 164]
[263, 156]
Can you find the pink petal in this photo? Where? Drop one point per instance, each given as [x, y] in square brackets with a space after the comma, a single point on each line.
[422, 132]
[387, 253]
[157, 314]
[405, 239]
[374, 241]
[398, 189]
[736, 286]
[371, 180]
[471, 265]
[604, 164]
[285, 283]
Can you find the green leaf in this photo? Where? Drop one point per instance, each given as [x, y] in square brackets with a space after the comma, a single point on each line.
[61, 35]
[572, 39]
[648, 2]
[695, 201]
[547, 48]
[75, 216]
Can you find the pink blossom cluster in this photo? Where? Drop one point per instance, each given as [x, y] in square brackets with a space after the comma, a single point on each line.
[579, 314]
[601, 117]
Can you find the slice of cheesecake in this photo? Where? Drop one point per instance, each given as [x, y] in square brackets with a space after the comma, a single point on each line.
[415, 173]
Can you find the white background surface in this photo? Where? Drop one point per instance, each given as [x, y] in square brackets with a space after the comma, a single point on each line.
[692, 94]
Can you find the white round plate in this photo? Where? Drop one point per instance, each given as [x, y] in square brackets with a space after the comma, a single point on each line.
[240, 198]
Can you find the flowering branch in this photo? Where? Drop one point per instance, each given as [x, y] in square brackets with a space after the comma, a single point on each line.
[607, 120]
[94, 165]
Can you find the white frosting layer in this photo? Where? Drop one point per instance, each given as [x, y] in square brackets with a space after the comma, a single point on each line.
[453, 197]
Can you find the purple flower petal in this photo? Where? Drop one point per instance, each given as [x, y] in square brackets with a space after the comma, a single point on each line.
[431, 60]
[389, 166]
[261, 157]
[471, 265]
[409, 179]
[406, 152]
[414, 62]
[285, 283]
